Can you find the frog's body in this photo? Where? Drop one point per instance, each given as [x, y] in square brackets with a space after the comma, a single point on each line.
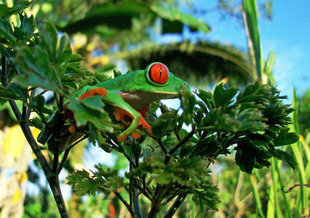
[132, 93]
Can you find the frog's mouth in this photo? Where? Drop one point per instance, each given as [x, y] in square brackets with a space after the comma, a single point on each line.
[141, 99]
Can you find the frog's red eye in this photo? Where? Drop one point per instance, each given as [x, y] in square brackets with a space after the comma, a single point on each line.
[159, 73]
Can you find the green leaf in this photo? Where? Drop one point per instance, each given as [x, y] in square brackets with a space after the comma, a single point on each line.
[64, 52]
[6, 93]
[251, 119]
[178, 16]
[223, 97]
[188, 102]
[227, 123]
[285, 137]
[21, 92]
[207, 98]
[118, 16]
[252, 92]
[269, 66]
[284, 156]
[91, 110]
[95, 136]
[165, 124]
[18, 7]
[49, 38]
[44, 135]
[6, 31]
[36, 122]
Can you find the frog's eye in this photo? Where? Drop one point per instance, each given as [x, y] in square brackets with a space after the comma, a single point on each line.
[158, 73]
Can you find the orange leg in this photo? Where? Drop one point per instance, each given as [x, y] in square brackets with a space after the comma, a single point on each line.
[92, 92]
[120, 114]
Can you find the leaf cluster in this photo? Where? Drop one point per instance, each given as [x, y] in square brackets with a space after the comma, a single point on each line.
[251, 123]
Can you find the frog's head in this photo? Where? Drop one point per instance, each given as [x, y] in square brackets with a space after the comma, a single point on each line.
[157, 79]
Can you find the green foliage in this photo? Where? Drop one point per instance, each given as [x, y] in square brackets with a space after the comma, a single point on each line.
[6, 11]
[303, 113]
[121, 16]
[252, 27]
[103, 180]
[165, 167]
[241, 122]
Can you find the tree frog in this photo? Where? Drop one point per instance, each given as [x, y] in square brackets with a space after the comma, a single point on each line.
[132, 93]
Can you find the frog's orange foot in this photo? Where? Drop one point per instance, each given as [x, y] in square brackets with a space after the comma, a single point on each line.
[121, 137]
[135, 135]
[92, 92]
[144, 124]
[120, 114]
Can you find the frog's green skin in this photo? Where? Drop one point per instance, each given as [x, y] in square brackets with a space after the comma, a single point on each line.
[135, 90]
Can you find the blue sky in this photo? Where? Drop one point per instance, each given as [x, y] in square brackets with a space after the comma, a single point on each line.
[288, 34]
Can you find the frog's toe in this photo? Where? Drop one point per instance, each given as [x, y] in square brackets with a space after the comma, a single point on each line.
[121, 137]
[135, 135]
[142, 122]
[92, 92]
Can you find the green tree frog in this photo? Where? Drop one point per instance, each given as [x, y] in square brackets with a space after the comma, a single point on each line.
[132, 93]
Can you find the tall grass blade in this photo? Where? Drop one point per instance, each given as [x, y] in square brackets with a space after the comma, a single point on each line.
[297, 152]
[250, 19]
[258, 203]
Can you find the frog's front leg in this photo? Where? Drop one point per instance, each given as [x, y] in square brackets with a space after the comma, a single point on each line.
[137, 120]
[122, 109]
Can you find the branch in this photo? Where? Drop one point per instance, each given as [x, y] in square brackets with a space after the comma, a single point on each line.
[23, 123]
[160, 144]
[127, 156]
[144, 192]
[136, 203]
[66, 154]
[175, 205]
[51, 177]
[182, 141]
[118, 195]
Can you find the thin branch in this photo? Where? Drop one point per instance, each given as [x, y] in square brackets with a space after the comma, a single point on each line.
[56, 156]
[66, 154]
[32, 93]
[144, 192]
[136, 203]
[51, 177]
[128, 158]
[25, 127]
[114, 145]
[182, 142]
[119, 196]
[160, 144]
[294, 186]
[204, 134]
[58, 135]
[170, 198]
[175, 205]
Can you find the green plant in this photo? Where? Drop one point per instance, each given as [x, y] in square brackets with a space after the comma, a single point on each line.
[166, 167]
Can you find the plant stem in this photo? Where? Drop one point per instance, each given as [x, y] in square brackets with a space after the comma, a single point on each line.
[118, 195]
[175, 205]
[55, 187]
[253, 184]
[52, 178]
[181, 142]
[136, 203]
[66, 154]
